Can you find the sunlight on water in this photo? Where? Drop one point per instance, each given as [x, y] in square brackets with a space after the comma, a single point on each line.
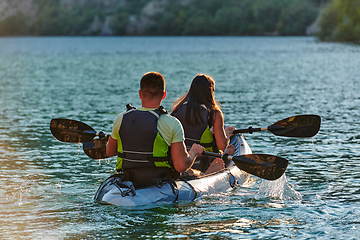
[47, 187]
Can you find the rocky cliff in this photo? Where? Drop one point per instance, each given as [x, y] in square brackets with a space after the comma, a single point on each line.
[9, 8]
[102, 25]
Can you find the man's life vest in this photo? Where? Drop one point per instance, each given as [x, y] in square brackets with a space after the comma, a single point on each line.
[141, 148]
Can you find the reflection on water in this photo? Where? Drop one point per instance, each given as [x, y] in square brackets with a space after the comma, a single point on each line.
[47, 187]
[242, 227]
[23, 187]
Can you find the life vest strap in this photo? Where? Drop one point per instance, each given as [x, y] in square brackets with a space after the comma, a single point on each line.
[148, 158]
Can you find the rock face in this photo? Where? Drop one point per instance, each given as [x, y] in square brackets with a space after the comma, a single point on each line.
[13, 7]
[314, 28]
[99, 25]
[138, 25]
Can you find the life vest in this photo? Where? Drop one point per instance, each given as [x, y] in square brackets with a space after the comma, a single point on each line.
[199, 133]
[140, 144]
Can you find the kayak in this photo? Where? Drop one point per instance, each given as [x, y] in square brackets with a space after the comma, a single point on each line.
[115, 191]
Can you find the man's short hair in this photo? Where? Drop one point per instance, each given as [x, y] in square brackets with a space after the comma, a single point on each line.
[152, 85]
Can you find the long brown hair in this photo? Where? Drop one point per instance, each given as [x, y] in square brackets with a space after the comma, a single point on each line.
[201, 92]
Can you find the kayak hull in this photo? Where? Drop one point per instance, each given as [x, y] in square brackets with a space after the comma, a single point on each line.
[117, 192]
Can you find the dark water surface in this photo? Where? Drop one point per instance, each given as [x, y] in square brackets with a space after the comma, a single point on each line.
[47, 187]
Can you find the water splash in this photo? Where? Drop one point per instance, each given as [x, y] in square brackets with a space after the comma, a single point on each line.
[278, 189]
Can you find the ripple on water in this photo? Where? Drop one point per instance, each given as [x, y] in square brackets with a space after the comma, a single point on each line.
[47, 187]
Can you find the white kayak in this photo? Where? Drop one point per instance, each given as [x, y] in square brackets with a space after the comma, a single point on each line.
[117, 192]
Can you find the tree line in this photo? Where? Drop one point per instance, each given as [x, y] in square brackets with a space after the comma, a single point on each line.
[339, 19]
[198, 17]
[234, 17]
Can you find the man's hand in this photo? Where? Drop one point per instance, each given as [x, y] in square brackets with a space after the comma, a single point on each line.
[196, 150]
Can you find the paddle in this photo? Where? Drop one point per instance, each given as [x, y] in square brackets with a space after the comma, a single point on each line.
[261, 165]
[66, 130]
[96, 149]
[296, 126]
[265, 166]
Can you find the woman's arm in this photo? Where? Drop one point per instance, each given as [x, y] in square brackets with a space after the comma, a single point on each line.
[222, 135]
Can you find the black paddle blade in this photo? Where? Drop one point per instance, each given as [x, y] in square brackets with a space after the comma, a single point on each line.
[265, 166]
[297, 126]
[96, 149]
[66, 130]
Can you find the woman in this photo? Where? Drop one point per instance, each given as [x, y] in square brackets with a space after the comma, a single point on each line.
[203, 121]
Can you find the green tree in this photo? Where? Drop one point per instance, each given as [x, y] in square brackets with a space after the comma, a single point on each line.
[267, 13]
[340, 21]
[296, 17]
[54, 21]
[227, 20]
[14, 25]
[327, 24]
[120, 22]
[199, 23]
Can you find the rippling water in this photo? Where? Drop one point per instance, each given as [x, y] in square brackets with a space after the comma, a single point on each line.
[47, 187]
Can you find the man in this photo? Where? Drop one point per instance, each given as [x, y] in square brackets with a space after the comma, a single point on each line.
[149, 143]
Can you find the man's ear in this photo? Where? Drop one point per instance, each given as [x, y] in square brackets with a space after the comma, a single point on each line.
[164, 95]
[140, 94]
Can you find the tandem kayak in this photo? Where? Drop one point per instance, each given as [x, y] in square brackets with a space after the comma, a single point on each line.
[115, 191]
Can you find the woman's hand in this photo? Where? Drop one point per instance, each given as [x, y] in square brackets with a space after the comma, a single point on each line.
[229, 130]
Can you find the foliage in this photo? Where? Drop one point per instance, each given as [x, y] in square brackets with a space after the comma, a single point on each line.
[340, 21]
[245, 17]
[300, 10]
[198, 17]
[14, 25]
[120, 22]
[55, 20]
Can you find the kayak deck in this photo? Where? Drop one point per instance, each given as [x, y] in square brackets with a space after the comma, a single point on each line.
[115, 191]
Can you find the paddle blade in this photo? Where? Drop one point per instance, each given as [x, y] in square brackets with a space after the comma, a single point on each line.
[66, 130]
[297, 126]
[265, 166]
[96, 149]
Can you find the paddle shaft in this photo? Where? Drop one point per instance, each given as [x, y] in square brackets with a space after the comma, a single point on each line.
[227, 157]
[67, 130]
[250, 130]
[262, 165]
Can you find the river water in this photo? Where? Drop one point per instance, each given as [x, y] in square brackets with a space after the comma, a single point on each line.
[47, 187]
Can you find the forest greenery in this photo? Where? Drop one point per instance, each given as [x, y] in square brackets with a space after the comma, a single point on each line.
[340, 21]
[199, 17]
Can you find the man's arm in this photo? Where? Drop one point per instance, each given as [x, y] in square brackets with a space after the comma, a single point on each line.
[111, 147]
[182, 159]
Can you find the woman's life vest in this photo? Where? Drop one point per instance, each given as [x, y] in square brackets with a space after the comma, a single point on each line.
[199, 134]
